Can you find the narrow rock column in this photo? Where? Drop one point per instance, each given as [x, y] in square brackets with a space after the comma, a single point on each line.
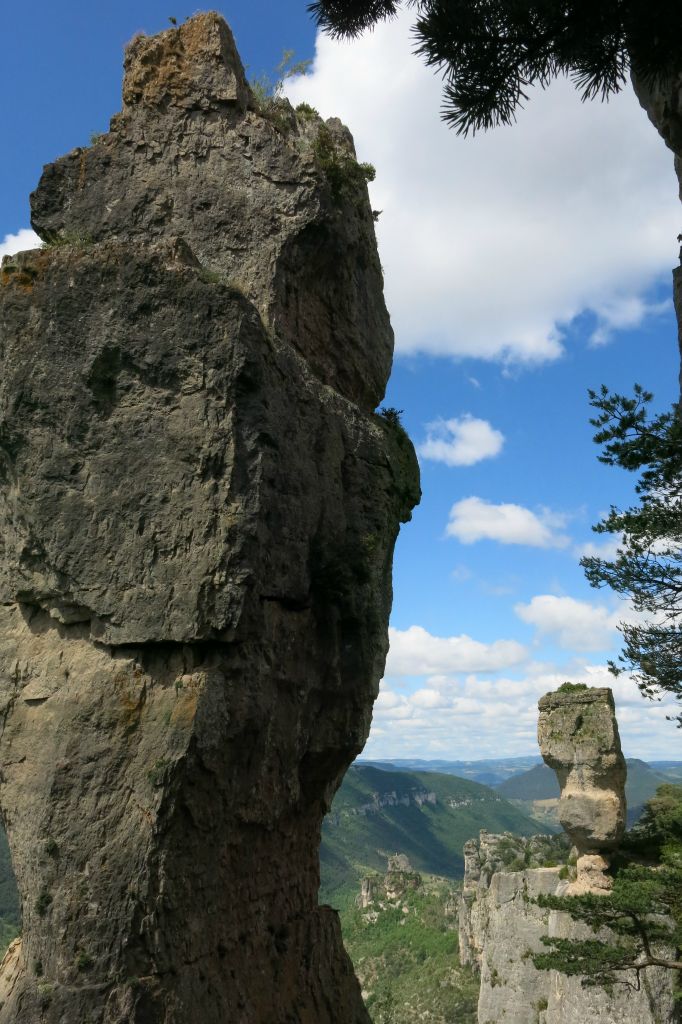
[198, 508]
[578, 738]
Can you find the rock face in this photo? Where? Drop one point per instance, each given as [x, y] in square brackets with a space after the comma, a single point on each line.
[198, 509]
[486, 857]
[499, 924]
[578, 738]
[663, 105]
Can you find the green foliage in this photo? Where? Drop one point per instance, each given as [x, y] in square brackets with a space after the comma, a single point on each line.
[268, 88]
[306, 111]
[84, 961]
[45, 995]
[648, 566]
[73, 239]
[490, 51]
[643, 910]
[8, 932]
[43, 902]
[391, 415]
[343, 172]
[405, 953]
[572, 687]
[157, 772]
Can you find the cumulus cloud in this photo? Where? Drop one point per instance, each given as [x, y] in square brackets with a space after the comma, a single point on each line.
[473, 519]
[474, 716]
[415, 652]
[574, 625]
[492, 244]
[606, 549]
[24, 239]
[463, 441]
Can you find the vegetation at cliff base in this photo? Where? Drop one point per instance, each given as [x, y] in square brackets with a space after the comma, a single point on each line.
[404, 948]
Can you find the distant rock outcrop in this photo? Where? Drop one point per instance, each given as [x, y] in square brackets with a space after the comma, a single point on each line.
[198, 509]
[578, 738]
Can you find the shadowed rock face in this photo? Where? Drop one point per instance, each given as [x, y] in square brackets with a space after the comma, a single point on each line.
[663, 105]
[198, 510]
[578, 738]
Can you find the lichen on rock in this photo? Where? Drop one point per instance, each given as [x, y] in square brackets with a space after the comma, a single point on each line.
[198, 511]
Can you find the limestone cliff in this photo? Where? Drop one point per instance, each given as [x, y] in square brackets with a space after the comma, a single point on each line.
[198, 509]
[500, 925]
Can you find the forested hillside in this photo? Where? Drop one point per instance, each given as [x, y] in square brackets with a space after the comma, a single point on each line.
[425, 815]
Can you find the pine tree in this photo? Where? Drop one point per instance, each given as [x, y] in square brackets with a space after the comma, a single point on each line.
[648, 566]
[490, 51]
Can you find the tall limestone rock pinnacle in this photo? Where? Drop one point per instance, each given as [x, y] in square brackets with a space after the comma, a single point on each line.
[198, 509]
[578, 738]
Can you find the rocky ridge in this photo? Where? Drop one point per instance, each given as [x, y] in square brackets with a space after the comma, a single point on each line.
[198, 510]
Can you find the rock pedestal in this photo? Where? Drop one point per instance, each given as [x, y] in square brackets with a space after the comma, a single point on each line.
[578, 738]
[198, 509]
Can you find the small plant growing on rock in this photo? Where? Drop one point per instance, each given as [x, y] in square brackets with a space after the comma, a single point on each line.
[43, 901]
[44, 995]
[343, 172]
[157, 772]
[572, 687]
[84, 961]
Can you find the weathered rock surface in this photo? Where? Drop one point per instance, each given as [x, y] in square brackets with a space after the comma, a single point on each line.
[485, 857]
[578, 738]
[499, 925]
[198, 510]
[663, 105]
[189, 156]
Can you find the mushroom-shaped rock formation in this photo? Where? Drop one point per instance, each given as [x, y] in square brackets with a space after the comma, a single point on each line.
[578, 738]
[198, 508]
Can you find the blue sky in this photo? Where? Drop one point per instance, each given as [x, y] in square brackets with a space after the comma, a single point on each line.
[522, 268]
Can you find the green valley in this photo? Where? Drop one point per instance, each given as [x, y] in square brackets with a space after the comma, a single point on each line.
[424, 815]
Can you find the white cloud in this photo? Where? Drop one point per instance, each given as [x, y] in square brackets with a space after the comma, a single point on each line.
[24, 239]
[477, 717]
[473, 519]
[463, 441]
[606, 549]
[575, 625]
[492, 244]
[415, 652]
[624, 313]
